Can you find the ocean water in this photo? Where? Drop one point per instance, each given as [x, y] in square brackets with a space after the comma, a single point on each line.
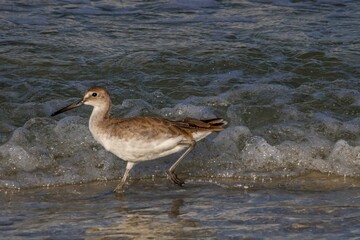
[284, 74]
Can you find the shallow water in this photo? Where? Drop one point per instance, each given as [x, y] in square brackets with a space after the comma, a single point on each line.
[284, 74]
[201, 210]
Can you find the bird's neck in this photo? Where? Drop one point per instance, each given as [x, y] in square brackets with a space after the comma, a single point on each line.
[99, 114]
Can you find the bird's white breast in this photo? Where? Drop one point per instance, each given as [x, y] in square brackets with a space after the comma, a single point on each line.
[137, 150]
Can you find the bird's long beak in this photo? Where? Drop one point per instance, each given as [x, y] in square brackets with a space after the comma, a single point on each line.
[69, 107]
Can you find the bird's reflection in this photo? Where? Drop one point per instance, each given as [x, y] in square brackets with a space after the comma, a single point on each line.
[174, 211]
[152, 218]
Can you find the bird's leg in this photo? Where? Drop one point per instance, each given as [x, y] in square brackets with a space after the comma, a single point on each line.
[171, 172]
[120, 186]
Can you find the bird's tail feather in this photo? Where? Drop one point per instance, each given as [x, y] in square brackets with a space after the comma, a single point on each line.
[215, 124]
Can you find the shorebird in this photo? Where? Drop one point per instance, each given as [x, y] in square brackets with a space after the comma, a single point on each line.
[142, 138]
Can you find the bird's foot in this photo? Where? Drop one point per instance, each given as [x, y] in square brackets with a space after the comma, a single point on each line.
[120, 187]
[174, 179]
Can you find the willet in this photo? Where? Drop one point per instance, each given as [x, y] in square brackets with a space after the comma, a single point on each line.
[139, 139]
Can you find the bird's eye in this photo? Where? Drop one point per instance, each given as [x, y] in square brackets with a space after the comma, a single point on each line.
[94, 94]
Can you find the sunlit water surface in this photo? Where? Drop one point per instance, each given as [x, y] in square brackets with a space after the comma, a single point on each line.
[201, 210]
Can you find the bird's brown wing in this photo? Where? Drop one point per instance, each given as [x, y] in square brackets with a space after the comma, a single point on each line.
[215, 124]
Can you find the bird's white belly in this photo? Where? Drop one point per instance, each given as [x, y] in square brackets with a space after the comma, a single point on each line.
[138, 150]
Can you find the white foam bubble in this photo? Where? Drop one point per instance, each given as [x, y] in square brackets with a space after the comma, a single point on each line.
[345, 159]
[46, 152]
